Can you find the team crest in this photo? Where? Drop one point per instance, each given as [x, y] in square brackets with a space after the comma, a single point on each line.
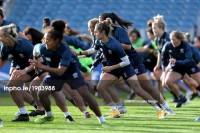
[125, 75]
[109, 51]
[182, 50]
[193, 69]
[75, 75]
[48, 59]
[21, 55]
[10, 56]
[136, 71]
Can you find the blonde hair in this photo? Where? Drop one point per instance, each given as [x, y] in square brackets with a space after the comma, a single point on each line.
[159, 21]
[186, 36]
[9, 30]
[109, 22]
[179, 35]
[93, 21]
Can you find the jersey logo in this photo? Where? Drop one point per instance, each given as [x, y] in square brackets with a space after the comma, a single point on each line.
[10, 56]
[182, 50]
[136, 71]
[21, 55]
[109, 51]
[193, 69]
[170, 51]
[75, 75]
[125, 75]
[48, 59]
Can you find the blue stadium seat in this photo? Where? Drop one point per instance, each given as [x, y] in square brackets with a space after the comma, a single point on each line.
[177, 13]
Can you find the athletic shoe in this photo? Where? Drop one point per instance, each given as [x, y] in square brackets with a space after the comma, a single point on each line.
[114, 114]
[36, 112]
[197, 119]
[181, 101]
[194, 95]
[131, 96]
[175, 100]
[87, 115]
[169, 111]
[160, 114]
[69, 118]
[44, 119]
[1, 123]
[122, 109]
[21, 117]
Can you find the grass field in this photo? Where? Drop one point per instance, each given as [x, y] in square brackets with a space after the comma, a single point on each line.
[137, 119]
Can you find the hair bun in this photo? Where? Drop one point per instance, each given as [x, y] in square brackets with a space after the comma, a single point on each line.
[158, 18]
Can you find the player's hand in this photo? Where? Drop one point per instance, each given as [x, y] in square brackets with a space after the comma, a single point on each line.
[36, 63]
[172, 60]
[106, 69]
[18, 73]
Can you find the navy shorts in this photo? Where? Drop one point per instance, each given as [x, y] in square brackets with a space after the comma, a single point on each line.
[72, 77]
[182, 70]
[136, 62]
[126, 72]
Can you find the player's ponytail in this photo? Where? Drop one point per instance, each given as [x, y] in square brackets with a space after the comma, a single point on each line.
[10, 29]
[117, 21]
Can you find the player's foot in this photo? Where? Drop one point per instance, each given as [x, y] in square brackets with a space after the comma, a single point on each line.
[34, 113]
[1, 123]
[44, 119]
[114, 114]
[21, 117]
[197, 119]
[194, 95]
[87, 115]
[69, 118]
[175, 100]
[160, 114]
[181, 101]
[169, 111]
[131, 96]
[122, 109]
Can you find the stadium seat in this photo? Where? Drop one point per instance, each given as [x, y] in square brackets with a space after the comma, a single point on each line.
[177, 13]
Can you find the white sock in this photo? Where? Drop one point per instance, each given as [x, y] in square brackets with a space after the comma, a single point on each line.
[49, 113]
[119, 103]
[156, 107]
[101, 119]
[112, 106]
[23, 110]
[165, 105]
[66, 113]
[84, 111]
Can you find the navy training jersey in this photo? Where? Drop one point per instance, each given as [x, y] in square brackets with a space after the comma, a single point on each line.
[160, 42]
[62, 57]
[112, 50]
[7, 22]
[74, 41]
[121, 35]
[182, 54]
[20, 53]
[196, 54]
